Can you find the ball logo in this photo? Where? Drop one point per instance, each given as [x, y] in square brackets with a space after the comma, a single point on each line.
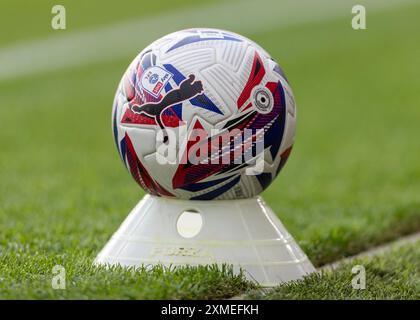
[187, 89]
[154, 79]
[262, 99]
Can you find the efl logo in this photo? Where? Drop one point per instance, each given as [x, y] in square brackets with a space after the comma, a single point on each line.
[154, 79]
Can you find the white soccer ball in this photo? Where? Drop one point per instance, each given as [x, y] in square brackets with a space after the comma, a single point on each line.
[204, 114]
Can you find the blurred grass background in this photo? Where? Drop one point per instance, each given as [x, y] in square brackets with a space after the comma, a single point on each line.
[352, 181]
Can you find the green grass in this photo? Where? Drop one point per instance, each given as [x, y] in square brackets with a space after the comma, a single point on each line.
[83, 281]
[27, 20]
[394, 274]
[351, 183]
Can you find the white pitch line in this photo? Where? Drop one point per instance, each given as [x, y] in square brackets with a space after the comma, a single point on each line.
[412, 238]
[64, 49]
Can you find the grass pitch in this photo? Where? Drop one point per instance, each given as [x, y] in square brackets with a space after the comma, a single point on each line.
[394, 274]
[352, 181]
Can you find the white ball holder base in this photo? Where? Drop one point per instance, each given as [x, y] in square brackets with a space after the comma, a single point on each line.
[244, 233]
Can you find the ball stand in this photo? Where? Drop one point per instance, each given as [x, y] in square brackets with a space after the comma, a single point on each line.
[244, 233]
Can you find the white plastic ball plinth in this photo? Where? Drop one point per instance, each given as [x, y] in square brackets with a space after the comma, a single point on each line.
[244, 233]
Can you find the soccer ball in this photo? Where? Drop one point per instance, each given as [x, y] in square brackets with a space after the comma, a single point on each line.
[204, 114]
